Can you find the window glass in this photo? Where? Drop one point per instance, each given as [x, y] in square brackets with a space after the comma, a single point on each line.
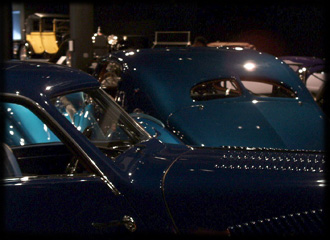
[47, 24]
[32, 149]
[215, 89]
[99, 118]
[35, 26]
[23, 127]
[263, 87]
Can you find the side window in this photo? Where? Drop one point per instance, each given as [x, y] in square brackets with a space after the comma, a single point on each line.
[215, 89]
[97, 122]
[35, 26]
[31, 148]
[47, 25]
[22, 127]
[263, 87]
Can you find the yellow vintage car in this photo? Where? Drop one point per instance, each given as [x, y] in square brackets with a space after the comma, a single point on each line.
[44, 34]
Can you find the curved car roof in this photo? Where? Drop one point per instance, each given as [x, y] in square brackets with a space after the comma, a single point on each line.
[168, 74]
[208, 62]
[50, 79]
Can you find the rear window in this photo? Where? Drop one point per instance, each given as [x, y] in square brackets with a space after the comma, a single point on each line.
[215, 89]
[263, 87]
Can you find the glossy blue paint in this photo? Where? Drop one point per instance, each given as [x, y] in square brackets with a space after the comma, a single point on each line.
[243, 123]
[60, 205]
[44, 78]
[155, 128]
[233, 174]
[158, 81]
[165, 188]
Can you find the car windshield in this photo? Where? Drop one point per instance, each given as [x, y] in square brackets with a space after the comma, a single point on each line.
[99, 118]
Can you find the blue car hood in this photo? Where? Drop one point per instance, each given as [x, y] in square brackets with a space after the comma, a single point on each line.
[216, 189]
[257, 123]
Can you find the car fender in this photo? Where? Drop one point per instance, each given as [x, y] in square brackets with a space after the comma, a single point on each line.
[238, 186]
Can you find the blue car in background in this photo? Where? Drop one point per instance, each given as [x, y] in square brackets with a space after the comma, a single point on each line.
[76, 164]
[216, 96]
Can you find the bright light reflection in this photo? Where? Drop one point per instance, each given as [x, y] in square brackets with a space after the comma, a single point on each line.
[238, 48]
[129, 53]
[24, 179]
[249, 66]
[321, 183]
[254, 101]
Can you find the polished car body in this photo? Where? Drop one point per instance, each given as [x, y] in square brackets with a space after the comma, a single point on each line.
[219, 97]
[87, 178]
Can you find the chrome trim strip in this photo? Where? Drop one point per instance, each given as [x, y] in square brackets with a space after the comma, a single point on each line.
[163, 189]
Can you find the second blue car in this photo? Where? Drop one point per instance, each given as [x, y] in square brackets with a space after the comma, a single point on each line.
[218, 97]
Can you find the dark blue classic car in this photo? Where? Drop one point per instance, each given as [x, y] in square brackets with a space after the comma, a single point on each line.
[218, 97]
[76, 163]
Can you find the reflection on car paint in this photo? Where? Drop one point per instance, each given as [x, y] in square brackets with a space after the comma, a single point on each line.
[88, 184]
[168, 84]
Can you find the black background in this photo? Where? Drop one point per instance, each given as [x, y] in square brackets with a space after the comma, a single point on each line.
[276, 27]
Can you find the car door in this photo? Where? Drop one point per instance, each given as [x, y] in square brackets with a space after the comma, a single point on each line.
[43, 197]
[62, 205]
